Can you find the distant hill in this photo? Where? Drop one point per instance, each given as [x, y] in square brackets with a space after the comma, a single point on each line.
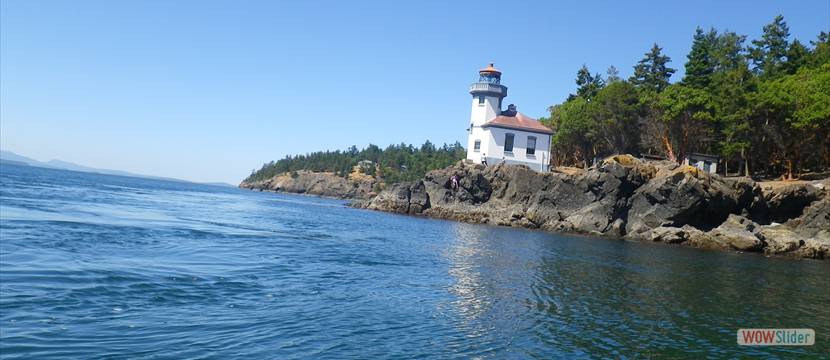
[8, 157]
[12, 162]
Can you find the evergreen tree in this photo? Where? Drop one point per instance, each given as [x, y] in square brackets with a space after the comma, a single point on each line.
[588, 84]
[615, 113]
[820, 54]
[730, 95]
[613, 74]
[574, 131]
[652, 72]
[770, 52]
[700, 64]
[797, 56]
[688, 114]
[727, 54]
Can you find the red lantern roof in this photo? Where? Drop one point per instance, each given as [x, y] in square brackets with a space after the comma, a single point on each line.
[490, 69]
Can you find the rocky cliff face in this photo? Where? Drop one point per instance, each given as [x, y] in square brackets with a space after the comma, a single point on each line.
[317, 183]
[627, 197]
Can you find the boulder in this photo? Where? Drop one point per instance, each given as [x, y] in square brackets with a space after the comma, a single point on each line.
[593, 218]
[395, 199]
[780, 239]
[672, 235]
[736, 233]
[418, 198]
[817, 247]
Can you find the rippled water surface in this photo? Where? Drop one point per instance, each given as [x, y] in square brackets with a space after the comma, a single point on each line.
[97, 266]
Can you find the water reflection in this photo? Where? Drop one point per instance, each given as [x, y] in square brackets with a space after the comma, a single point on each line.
[492, 290]
[465, 255]
[543, 293]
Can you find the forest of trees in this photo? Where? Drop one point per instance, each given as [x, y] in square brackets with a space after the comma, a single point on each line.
[762, 106]
[396, 163]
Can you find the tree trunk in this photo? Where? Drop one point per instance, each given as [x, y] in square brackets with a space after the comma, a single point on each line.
[827, 150]
[669, 149]
[682, 151]
[789, 169]
[798, 161]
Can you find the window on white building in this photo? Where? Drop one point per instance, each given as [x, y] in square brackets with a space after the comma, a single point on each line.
[508, 142]
[481, 100]
[531, 145]
[477, 146]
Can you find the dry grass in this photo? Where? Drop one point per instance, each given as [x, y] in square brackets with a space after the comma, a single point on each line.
[623, 159]
[774, 184]
[688, 169]
[360, 177]
[573, 171]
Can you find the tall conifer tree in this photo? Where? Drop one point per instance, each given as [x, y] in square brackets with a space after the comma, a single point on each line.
[652, 72]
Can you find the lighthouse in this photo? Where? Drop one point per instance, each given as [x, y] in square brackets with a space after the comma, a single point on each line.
[507, 136]
[487, 93]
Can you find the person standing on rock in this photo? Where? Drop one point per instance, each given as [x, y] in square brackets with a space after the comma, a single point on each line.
[454, 182]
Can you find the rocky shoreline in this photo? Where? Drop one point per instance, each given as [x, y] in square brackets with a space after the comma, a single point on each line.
[324, 184]
[628, 198]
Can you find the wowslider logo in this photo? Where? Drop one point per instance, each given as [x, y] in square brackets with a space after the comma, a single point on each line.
[780, 337]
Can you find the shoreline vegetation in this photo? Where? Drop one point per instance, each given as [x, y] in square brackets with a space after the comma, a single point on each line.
[393, 164]
[762, 108]
[352, 174]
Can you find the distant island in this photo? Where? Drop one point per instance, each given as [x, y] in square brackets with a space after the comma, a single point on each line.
[11, 158]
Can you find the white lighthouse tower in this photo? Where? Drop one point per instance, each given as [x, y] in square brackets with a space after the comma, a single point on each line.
[487, 93]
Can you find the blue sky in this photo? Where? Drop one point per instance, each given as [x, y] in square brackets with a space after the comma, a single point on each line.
[208, 90]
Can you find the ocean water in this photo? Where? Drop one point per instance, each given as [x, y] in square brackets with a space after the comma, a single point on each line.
[97, 266]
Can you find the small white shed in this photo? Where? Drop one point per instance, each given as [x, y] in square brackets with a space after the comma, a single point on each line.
[705, 162]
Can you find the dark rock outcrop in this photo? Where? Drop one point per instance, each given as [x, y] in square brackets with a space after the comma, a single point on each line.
[626, 197]
[686, 196]
[788, 201]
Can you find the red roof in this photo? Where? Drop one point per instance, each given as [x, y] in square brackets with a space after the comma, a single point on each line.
[518, 122]
[490, 69]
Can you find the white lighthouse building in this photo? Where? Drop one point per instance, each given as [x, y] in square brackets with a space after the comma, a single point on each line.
[503, 136]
